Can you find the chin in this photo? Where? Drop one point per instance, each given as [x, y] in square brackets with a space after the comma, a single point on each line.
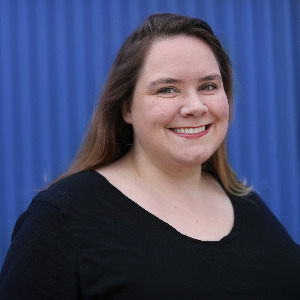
[192, 161]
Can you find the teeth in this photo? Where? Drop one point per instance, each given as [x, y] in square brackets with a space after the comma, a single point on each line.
[189, 130]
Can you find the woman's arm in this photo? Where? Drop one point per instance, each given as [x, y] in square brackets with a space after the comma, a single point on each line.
[42, 262]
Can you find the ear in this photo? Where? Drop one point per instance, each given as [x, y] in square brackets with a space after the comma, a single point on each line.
[126, 111]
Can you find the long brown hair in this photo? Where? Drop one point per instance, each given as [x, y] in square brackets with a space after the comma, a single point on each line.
[109, 137]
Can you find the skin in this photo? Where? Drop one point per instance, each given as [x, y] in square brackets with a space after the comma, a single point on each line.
[179, 88]
[185, 101]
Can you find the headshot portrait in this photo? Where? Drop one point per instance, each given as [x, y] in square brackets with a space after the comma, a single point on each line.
[150, 150]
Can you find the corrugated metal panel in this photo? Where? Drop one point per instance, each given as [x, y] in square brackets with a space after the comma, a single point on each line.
[55, 56]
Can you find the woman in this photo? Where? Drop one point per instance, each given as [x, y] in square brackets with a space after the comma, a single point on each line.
[150, 208]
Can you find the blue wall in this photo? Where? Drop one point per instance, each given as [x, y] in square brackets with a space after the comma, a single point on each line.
[54, 57]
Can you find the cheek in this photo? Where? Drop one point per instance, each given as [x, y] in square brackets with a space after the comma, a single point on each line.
[220, 108]
[156, 111]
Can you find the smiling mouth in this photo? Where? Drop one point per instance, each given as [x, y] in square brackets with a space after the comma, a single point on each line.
[190, 130]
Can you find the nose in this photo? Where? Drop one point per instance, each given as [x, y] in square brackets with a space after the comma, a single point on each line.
[193, 106]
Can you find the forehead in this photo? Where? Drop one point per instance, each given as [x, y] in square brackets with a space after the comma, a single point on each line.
[180, 53]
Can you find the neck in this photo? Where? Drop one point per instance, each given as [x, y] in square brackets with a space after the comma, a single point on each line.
[164, 178]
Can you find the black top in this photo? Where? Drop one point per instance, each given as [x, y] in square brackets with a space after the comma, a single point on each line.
[83, 239]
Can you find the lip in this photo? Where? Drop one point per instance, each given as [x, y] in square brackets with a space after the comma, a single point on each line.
[193, 135]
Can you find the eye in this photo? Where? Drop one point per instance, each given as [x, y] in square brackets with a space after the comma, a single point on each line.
[208, 87]
[167, 90]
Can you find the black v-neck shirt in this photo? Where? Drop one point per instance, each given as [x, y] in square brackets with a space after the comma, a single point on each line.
[83, 239]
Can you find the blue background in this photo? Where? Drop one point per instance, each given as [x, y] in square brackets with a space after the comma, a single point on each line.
[54, 57]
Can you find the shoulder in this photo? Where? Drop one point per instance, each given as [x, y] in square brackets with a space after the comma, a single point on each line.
[254, 205]
[58, 203]
[258, 215]
[44, 243]
[71, 190]
[64, 207]
[253, 201]
[71, 203]
[80, 199]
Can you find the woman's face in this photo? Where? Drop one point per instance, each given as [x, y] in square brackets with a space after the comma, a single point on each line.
[179, 109]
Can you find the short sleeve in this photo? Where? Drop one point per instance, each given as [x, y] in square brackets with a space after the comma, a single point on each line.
[42, 262]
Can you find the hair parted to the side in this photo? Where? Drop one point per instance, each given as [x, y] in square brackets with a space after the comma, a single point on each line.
[109, 137]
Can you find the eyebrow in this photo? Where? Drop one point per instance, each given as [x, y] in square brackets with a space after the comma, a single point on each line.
[211, 77]
[167, 80]
[164, 80]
